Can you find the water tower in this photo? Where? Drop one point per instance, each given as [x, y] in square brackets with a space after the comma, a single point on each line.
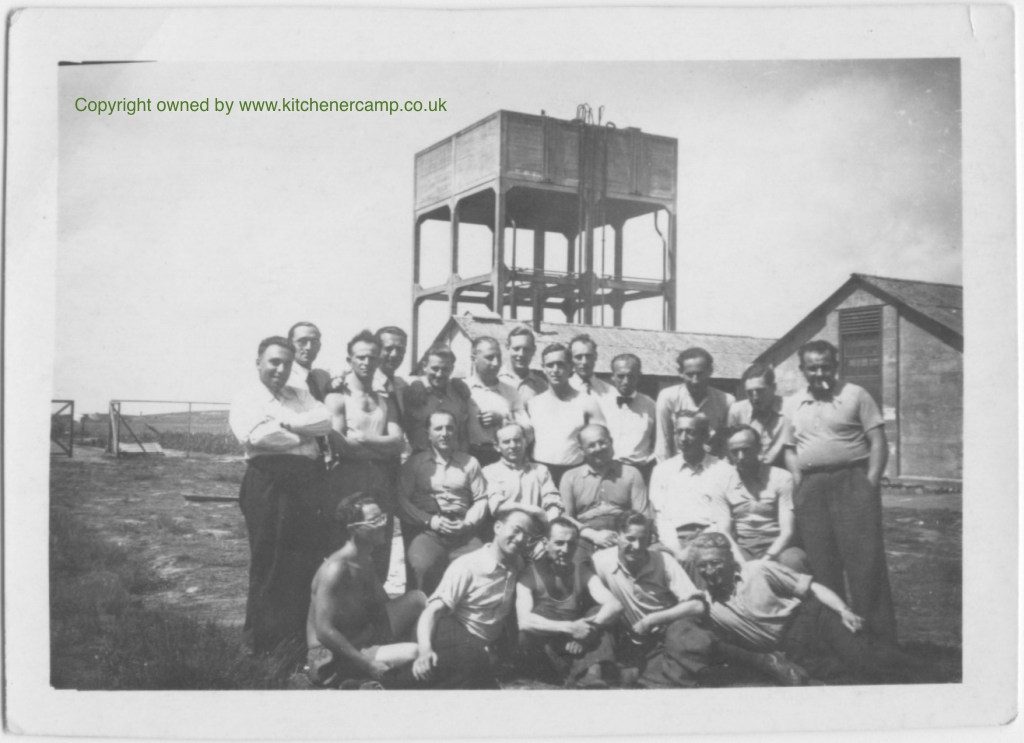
[574, 180]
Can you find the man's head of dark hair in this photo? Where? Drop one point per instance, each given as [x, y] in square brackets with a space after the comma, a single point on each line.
[563, 522]
[631, 358]
[301, 324]
[363, 336]
[818, 346]
[484, 339]
[631, 518]
[583, 338]
[694, 352]
[350, 509]
[441, 352]
[275, 340]
[520, 330]
[712, 540]
[391, 330]
[758, 371]
[553, 348]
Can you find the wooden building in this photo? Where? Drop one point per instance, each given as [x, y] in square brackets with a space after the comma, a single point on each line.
[656, 349]
[902, 341]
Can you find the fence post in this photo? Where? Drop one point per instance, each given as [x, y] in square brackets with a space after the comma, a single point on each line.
[115, 434]
[188, 436]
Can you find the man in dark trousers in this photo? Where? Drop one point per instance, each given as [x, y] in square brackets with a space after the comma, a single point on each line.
[837, 453]
[280, 495]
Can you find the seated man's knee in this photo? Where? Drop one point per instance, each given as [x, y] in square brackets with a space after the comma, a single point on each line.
[795, 559]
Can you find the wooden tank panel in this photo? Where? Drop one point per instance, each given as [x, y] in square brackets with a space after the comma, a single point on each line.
[542, 150]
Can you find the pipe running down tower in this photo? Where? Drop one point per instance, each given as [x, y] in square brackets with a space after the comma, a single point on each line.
[571, 179]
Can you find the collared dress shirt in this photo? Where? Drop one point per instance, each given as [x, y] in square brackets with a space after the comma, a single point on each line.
[661, 584]
[431, 484]
[529, 386]
[257, 414]
[681, 494]
[501, 399]
[631, 423]
[421, 400]
[754, 507]
[479, 592]
[773, 428]
[677, 399]
[527, 483]
[832, 432]
[556, 423]
[595, 499]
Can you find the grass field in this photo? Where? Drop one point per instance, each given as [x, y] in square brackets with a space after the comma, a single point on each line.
[148, 588]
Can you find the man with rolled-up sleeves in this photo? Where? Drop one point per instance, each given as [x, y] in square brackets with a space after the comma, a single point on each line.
[280, 495]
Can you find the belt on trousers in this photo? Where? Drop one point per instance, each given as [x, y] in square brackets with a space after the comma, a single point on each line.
[860, 463]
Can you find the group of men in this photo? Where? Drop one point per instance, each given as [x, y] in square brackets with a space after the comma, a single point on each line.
[559, 526]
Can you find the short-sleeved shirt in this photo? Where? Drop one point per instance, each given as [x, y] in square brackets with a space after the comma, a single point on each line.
[681, 494]
[773, 428]
[433, 484]
[479, 591]
[529, 386]
[832, 432]
[754, 507]
[595, 499]
[677, 399]
[500, 398]
[528, 483]
[631, 423]
[661, 584]
[421, 401]
[556, 423]
[764, 598]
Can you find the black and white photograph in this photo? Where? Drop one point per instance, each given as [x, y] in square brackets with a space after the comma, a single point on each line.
[621, 376]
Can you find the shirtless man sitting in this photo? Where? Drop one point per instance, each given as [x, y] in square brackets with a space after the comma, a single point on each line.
[354, 632]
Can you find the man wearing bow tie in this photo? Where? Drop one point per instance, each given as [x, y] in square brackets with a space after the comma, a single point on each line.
[631, 419]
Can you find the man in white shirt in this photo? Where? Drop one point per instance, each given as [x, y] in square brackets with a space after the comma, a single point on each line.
[280, 495]
[521, 347]
[513, 479]
[694, 395]
[682, 487]
[632, 417]
[494, 403]
[583, 350]
[305, 338]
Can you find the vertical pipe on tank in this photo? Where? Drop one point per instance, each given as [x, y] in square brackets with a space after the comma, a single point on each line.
[497, 268]
[414, 335]
[538, 270]
[617, 272]
[453, 252]
[670, 279]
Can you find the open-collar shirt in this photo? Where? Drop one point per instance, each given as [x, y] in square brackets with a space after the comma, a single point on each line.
[257, 414]
[431, 484]
[677, 399]
[527, 483]
[681, 494]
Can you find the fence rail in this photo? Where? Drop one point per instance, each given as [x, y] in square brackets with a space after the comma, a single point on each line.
[186, 425]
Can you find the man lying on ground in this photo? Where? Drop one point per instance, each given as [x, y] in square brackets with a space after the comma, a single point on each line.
[467, 614]
[658, 642]
[354, 631]
[561, 631]
[765, 607]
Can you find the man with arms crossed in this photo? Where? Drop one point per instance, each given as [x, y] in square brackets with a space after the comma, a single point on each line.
[837, 455]
[761, 409]
[354, 631]
[694, 395]
[765, 607]
[521, 347]
[659, 642]
[305, 337]
[467, 613]
[366, 437]
[559, 414]
[631, 419]
[756, 501]
[441, 500]
[597, 492]
[494, 403]
[280, 495]
[560, 636]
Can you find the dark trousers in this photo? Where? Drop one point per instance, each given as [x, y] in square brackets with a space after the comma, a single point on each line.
[671, 657]
[428, 554]
[544, 657]
[839, 518]
[463, 661]
[344, 480]
[280, 500]
[816, 639]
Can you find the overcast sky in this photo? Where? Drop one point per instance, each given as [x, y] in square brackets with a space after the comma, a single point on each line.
[186, 238]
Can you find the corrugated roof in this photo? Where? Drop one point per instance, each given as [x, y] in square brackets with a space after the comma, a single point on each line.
[657, 349]
[942, 303]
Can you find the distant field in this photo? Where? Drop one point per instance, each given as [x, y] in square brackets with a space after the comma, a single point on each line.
[209, 432]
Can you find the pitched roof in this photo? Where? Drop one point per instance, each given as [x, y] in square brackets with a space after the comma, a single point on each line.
[941, 303]
[657, 349]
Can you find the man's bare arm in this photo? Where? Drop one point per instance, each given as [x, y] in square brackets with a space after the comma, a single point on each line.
[879, 455]
[610, 609]
[324, 610]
